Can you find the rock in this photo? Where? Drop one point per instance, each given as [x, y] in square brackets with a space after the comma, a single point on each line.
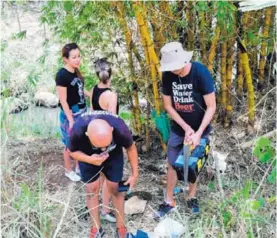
[169, 228]
[221, 160]
[134, 206]
[46, 99]
[13, 105]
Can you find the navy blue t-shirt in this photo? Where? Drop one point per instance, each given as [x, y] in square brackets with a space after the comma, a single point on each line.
[79, 141]
[187, 95]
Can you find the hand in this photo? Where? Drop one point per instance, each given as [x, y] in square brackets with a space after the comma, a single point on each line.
[195, 139]
[188, 133]
[71, 122]
[97, 159]
[132, 181]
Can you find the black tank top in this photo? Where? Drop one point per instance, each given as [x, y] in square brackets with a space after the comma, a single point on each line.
[95, 98]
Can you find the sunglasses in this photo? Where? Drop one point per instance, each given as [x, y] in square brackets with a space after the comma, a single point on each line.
[107, 149]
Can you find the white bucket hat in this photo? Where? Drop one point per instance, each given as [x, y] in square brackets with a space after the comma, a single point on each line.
[174, 56]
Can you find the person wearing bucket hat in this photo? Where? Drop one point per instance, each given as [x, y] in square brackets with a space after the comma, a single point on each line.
[189, 98]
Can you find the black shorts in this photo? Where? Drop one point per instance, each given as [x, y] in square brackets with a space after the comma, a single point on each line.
[112, 168]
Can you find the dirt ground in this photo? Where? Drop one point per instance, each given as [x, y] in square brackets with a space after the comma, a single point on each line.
[33, 160]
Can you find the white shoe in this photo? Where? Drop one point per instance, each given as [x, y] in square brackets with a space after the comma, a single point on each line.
[73, 176]
[110, 217]
[77, 171]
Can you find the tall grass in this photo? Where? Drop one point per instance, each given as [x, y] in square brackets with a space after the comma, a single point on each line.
[34, 122]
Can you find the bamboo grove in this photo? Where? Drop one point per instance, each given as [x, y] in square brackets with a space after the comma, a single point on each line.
[236, 47]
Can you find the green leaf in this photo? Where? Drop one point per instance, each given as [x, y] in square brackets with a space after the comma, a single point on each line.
[271, 178]
[263, 150]
[211, 185]
[20, 35]
[67, 5]
[246, 190]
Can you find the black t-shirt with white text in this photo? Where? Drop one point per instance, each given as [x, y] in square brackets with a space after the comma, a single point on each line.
[79, 141]
[187, 95]
[74, 87]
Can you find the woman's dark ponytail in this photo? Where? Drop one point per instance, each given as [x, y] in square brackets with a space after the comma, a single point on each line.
[103, 69]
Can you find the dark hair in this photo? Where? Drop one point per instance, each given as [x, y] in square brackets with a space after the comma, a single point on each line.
[103, 69]
[65, 53]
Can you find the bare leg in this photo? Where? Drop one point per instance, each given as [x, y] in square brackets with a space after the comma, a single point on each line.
[106, 196]
[171, 183]
[192, 189]
[77, 166]
[118, 202]
[92, 196]
[67, 162]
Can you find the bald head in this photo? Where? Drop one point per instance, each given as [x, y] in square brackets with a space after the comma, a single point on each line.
[100, 133]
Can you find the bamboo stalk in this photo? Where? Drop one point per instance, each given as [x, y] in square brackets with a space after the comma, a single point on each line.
[203, 37]
[190, 20]
[149, 53]
[250, 88]
[268, 12]
[223, 75]
[128, 38]
[169, 22]
[240, 77]
[212, 52]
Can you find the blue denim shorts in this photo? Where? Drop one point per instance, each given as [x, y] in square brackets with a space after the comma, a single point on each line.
[175, 145]
[64, 125]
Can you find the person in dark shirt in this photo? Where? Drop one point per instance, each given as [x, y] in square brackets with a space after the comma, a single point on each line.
[189, 98]
[104, 99]
[71, 93]
[96, 141]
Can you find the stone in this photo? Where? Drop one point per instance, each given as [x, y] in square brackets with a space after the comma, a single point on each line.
[134, 205]
[46, 99]
[12, 105]
[169, 228]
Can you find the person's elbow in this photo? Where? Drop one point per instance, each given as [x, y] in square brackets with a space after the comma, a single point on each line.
[167, 107]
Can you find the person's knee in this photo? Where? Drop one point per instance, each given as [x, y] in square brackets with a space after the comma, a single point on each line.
[92, 190]
[112, 187]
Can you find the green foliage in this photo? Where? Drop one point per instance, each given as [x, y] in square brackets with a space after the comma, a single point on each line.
[3, 45]
[35, 215]
[126, 116]
[265, 152]
[241, 207]
[19, 35]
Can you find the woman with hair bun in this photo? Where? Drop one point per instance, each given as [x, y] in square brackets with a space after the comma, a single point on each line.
[104, 99]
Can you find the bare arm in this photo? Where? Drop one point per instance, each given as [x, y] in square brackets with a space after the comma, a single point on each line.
[90, 98]
[133, 159]
[210, 111]
[211, 107]
[174, 115]
[87, 93]
[62, 93]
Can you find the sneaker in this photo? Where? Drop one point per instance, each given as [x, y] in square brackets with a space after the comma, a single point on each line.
[192, 203]
[110, 217]
[121, 232]
[73, 176]
[77, 171]
[164, 209]
[95, 233]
